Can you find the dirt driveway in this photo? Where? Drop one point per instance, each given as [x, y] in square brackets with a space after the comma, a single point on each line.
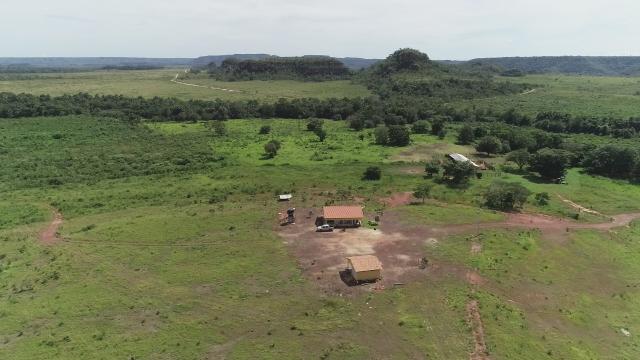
[400, 248]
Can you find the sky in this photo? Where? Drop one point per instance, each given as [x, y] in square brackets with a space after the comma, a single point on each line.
[444, 29]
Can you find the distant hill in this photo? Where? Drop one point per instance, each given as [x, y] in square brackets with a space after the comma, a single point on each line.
[89, 63]
[582, 65]
[352, 63]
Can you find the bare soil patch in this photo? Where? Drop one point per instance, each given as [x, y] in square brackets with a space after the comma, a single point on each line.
[401, 247]
[49, 235]
[399, 199]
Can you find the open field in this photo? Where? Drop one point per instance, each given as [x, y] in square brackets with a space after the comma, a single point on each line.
[578, 95]
[169, 249]
[150, 83]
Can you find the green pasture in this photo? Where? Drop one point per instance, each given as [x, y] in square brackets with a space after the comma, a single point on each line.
[150, 83]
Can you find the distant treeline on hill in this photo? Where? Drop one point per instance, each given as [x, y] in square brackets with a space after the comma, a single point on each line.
[353, 63]
[314, 68]
[582, 65]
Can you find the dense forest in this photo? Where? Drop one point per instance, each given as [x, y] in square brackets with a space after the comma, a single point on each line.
[313, 68]
[583, 65]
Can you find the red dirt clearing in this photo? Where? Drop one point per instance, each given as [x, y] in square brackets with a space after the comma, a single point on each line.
[399, 199]
[49, 236]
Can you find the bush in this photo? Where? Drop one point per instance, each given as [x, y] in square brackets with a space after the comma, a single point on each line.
[466, 136]
[372, 173]
[489, 145]
[398, 135]
[550, 163]
[422, 191]
[314, 125]
[265, 129]
[506, 196]
[421, 127]
[519, 157]
[271, 148]
[458, 172]
[542, 198]
[432, 168]
[381, 134]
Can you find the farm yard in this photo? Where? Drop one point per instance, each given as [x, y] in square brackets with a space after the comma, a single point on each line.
[167, 245]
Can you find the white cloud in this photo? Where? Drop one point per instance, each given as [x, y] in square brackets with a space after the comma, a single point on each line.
[456, 29]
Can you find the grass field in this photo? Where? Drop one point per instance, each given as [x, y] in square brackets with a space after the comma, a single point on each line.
[578, 95]
[150, 83]
[172, 251]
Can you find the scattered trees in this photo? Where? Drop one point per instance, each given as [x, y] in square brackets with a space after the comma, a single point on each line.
[506, 196]
[612, 160]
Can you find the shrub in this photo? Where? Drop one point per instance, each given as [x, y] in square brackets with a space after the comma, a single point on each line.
[271, 148]
[506, 196]
[458, 172]
[422, 191]
[432, 168]
[265, 129]
[465, 135]
[372, 173]
[489, 145]
[519, 157]
[398, 135]
[314, 124]
[381, 134]
[421, 127]
[550, 163]
[542, 198]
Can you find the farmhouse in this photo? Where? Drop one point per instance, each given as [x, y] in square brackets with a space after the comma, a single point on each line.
[343, 216]
[462, 159]
[364, 268]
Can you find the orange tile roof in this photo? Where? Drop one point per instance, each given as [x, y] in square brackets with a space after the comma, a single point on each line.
[343, 212]
[364, 263]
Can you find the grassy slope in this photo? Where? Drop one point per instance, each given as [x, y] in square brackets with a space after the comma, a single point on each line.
[578, 95]
[213, 278]
[149, 83]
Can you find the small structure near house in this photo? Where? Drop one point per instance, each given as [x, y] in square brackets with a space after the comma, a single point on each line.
[343, 216]
[284, 197]
[288, 218]
[364, 268]
[461, 159]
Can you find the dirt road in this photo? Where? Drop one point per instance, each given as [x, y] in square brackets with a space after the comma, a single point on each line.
[177, 81]
[49, 235]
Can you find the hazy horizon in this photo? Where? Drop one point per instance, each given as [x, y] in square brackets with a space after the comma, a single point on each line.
[457, 30]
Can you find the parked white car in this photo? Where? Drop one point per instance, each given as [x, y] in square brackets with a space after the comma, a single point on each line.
[324, 228]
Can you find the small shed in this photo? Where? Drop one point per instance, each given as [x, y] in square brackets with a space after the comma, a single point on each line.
[343, 216]
[364, 267]
[284, 197]
[461, 159]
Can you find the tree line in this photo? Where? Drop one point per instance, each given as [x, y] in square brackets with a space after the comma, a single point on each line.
[314, 68]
